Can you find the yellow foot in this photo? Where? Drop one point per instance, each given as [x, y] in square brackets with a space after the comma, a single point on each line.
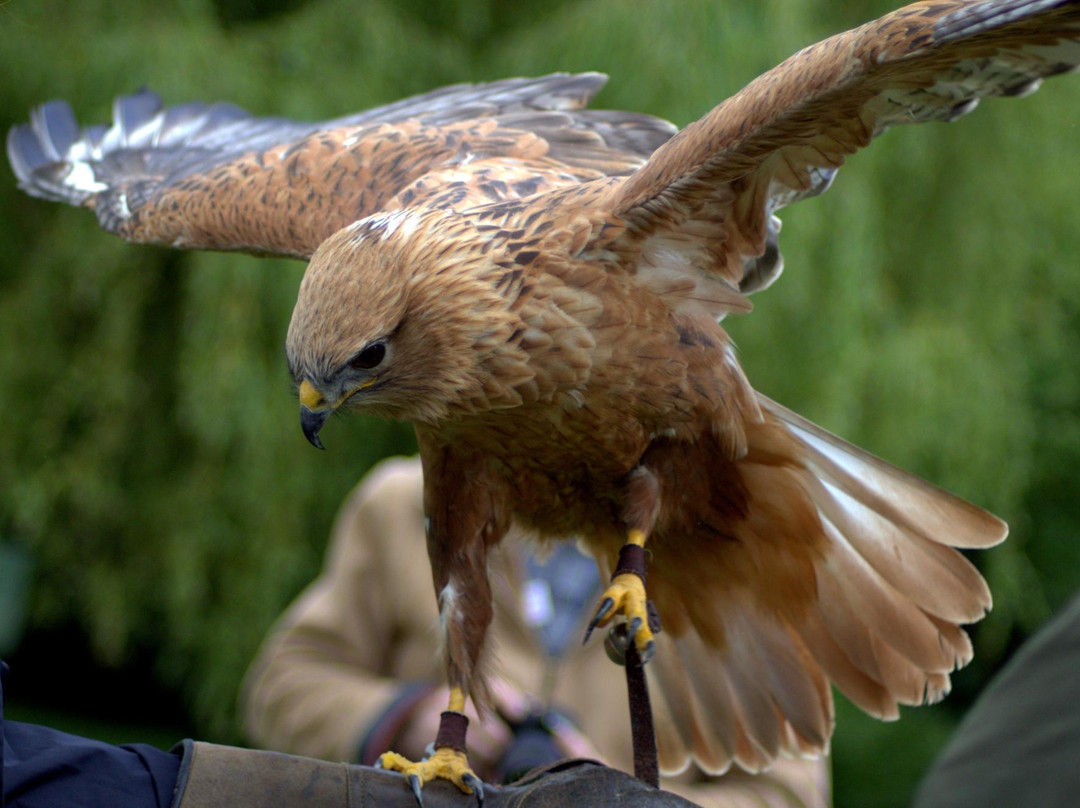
[625, 597]
[444, 764]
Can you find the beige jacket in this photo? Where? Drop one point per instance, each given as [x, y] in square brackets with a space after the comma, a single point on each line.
[342, 651]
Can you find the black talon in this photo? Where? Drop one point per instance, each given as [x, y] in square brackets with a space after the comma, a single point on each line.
[606, 605]
[654, 617]
[646, 653]
[477, 785]
[414, 784]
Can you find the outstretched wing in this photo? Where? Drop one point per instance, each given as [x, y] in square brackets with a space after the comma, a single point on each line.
[706, 199]
[212, 176]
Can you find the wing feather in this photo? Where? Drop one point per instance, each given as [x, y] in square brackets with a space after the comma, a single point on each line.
[717, 731]
[926, 510]
[212, 176]
[783, 136]
[865, 691]
[673, 707]
[941, 582]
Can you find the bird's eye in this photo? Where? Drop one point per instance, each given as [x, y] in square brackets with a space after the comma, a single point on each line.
[368, 358]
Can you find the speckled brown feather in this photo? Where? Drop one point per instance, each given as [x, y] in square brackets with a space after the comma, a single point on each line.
[214, 177]
[552, 328]
[308, 190]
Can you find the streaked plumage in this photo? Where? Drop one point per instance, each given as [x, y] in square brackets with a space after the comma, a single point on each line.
[505, 270]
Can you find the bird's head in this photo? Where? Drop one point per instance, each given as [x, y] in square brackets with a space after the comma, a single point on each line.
[394, 319]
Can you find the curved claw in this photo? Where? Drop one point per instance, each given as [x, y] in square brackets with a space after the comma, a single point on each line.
[602, 611]
[477, 785]
[414, 784]
[445, 764]
[645, 651]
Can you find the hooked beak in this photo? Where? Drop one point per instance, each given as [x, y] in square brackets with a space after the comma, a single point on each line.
[311, 421]
[314, 410]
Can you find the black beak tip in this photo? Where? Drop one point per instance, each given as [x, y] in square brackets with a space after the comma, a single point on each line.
[311, 421]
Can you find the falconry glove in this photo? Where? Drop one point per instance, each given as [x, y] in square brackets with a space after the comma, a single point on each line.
[213, 776]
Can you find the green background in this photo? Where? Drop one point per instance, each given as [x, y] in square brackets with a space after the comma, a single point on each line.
[150, 457]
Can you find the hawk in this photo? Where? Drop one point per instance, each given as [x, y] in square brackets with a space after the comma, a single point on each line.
[539, 288]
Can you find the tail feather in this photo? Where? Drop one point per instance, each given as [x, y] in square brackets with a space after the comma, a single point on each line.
[816, 563]
[866, 692]
[937, 579]
[903, 499]
[676, 719]
[957, 640]
[744, 704]
[885, 611]
[759, 731]
[905, 680]
[790, 682]
[717, 730]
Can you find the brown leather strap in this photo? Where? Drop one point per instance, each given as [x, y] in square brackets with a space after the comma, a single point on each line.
[646, 767]
[452, 728]
[632, 561]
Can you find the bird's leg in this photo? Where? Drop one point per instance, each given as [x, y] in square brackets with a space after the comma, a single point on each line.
[625, 597]
[463, 639]
[448, 761]
[464, 518]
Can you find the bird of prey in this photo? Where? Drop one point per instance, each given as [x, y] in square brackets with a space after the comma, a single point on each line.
[542, 299]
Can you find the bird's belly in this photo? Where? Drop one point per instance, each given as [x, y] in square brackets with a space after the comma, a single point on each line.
[568, 505]
[571, 486]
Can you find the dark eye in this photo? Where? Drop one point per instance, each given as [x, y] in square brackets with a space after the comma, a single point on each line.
[368, 358]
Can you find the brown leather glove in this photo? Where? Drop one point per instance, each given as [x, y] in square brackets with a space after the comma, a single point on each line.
[213, 776]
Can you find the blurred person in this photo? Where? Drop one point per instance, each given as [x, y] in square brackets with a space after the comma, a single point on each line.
[351, 670]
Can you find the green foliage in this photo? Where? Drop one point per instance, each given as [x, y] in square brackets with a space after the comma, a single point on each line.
[152, 459]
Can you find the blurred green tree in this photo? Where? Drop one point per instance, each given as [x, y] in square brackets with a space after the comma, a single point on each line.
[152, 462]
